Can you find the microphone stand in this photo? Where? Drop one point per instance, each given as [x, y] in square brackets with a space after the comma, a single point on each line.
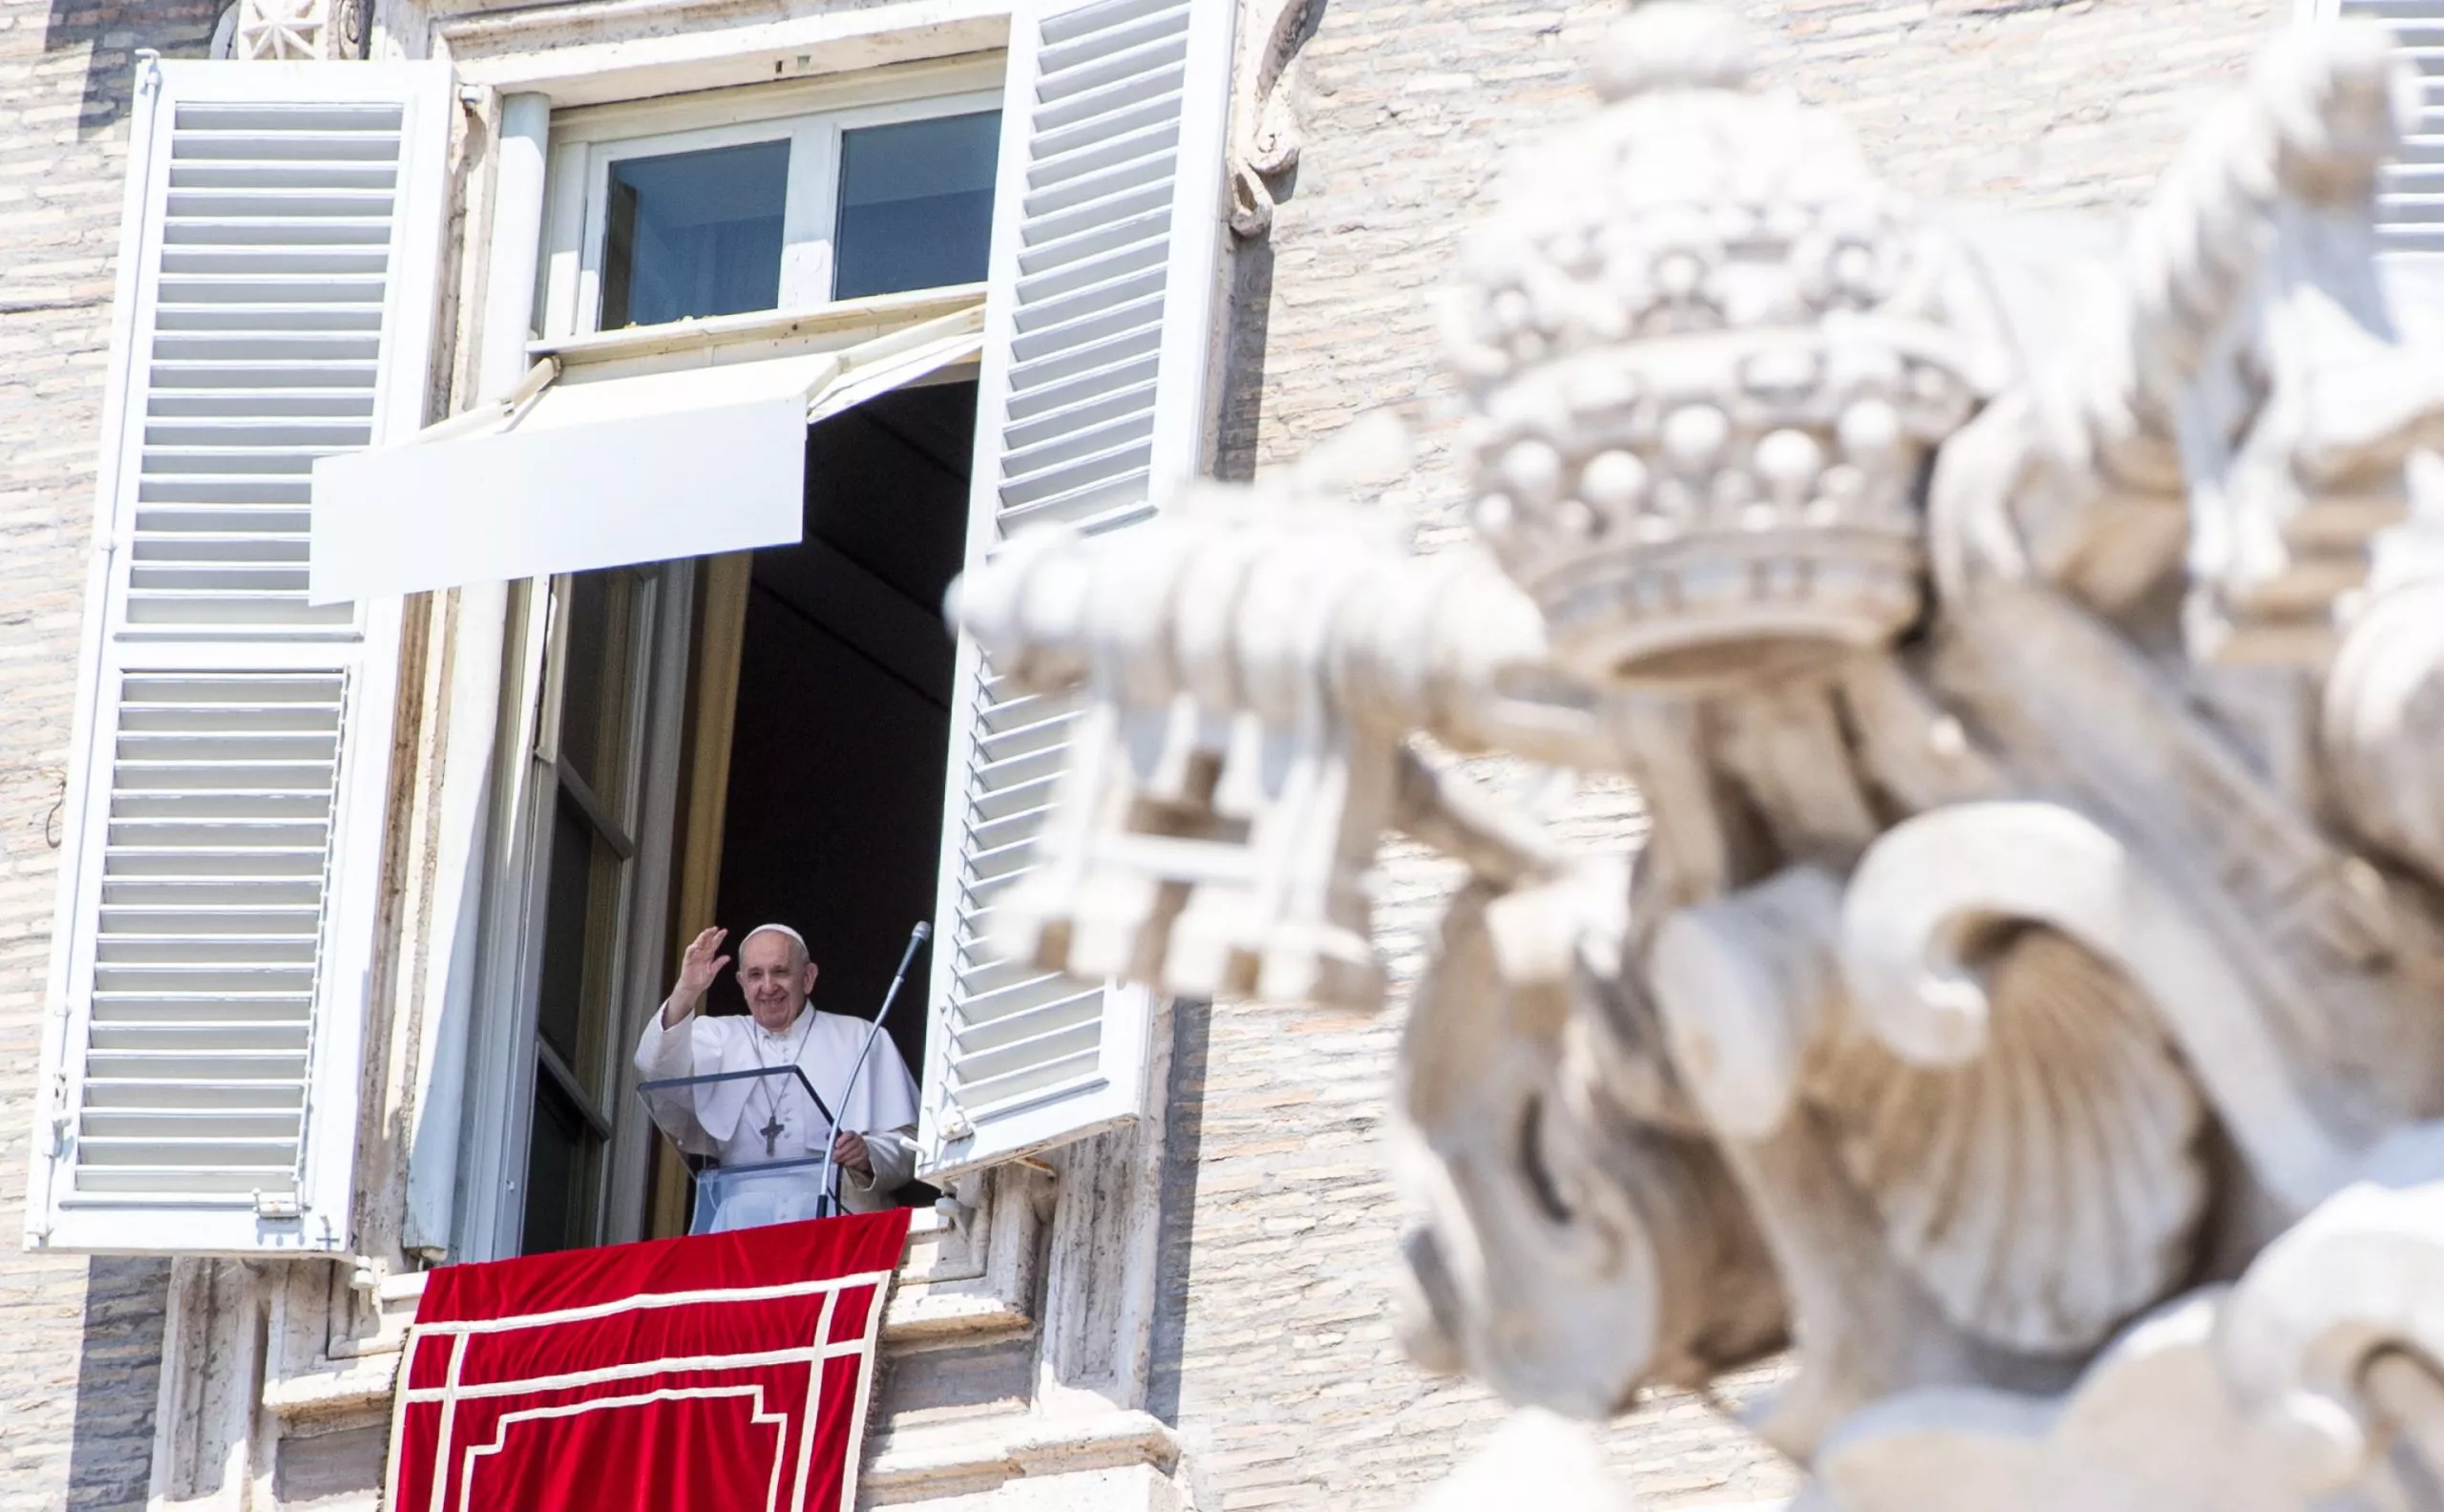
[830, 1177]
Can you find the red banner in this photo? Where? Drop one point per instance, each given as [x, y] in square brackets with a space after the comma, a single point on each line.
[724, 1373]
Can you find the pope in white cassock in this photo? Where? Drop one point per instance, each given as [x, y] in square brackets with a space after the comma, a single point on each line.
[754, 1121]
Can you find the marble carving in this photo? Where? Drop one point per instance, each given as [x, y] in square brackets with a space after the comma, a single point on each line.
[293, 30]
[2029, 1006]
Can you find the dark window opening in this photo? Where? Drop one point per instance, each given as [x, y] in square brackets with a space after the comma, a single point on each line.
[834, 819]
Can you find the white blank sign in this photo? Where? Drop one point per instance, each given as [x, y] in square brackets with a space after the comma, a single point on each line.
[529, 503]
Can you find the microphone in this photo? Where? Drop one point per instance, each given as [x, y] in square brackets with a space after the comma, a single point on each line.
[831, 1179]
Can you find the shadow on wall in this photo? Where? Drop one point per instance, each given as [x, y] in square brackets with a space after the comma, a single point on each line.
[109, 1452]
[111, 33]
[1251, 294]
[1242, 405]
[118, 1378]
[1175, 1223]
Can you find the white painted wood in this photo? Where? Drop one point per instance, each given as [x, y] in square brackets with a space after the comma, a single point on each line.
[645, 468]
[493, 1139]
[907, 85]
[810, 210]
[219, 895]
[479, 625]
[563, 243]
[811, 214]
[514, 255]
[2410, 214]
[648, 948]
[809, 118]
[751, 336]
[1093, 405]
[566, 54]
[682, 481]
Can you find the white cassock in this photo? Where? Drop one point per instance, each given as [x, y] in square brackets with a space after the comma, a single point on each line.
[735, 1116]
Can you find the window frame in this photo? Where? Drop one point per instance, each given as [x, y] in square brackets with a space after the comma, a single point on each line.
[496, 1111]
[510, 1051]
[566, 299]
[812, 118]
[615, 817]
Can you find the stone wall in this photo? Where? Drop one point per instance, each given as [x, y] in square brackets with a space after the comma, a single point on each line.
[1275, 1357]
[84, 1337]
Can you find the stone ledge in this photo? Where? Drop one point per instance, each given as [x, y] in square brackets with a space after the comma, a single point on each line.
[917, 1319]
[361, 1387]
[987, 1453]
[591, 57]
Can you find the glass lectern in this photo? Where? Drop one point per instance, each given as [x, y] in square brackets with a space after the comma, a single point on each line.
[752, 1165]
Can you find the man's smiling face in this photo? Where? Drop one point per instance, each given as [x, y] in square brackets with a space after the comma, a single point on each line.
[776, 977]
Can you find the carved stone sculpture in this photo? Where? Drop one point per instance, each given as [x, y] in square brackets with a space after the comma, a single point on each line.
[1264, 133]
[294, 30]
[2028, 1007]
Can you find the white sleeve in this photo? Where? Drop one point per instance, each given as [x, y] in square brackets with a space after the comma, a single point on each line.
[894, 1091]
[670, 1052]
[663, 1054]
[893, 1153]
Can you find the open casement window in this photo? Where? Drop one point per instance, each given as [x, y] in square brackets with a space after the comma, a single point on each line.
[1098, 328]
[787, 197]
[276, 302]
[627, 446]
[719, 274]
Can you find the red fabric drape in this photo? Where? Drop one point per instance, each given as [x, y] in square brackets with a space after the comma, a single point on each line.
[724, 1373]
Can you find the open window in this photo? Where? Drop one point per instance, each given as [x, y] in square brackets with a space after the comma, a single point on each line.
[821, 192]
[596, 799]
[747, 737]
[793, 488]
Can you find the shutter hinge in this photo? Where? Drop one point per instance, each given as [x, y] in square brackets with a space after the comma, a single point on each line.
[60, 1118]
[278, 1205]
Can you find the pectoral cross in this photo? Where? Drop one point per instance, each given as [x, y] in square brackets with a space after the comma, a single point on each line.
[771, 1133]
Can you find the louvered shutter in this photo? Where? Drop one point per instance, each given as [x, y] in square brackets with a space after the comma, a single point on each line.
[1107, 245]
[275, 302]
[2409, 203]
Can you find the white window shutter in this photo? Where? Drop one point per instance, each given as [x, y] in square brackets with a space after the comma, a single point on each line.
[1093, 403]
[2410, 195]
[275, 302]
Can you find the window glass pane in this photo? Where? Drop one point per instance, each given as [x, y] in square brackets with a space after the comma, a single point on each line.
[560, 996]
[593, 682]
[693, 234]
[560, 1173]
[580, 937]
[915, 204]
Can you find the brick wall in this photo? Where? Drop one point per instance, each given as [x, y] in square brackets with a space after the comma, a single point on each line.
[1275, 1353]
[84, 1338]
